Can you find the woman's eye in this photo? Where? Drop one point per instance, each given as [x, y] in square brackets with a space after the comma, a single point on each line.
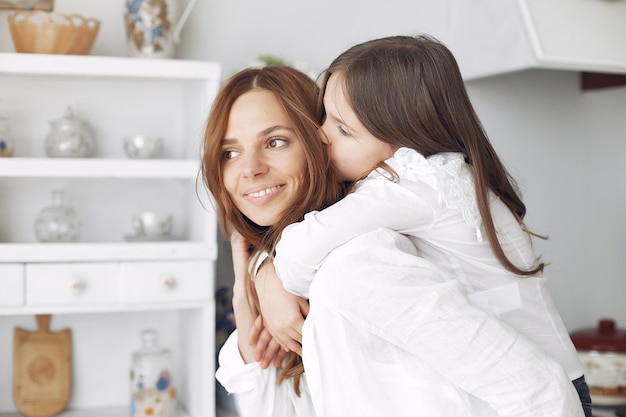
[277, 142]
[229, 154]
[343, 131]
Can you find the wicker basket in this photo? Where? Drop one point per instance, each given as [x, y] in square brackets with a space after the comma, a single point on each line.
[52, 33]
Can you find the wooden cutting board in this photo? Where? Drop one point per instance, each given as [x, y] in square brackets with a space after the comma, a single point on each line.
[41, 370]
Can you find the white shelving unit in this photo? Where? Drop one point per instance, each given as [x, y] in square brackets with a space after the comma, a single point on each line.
[107, 288]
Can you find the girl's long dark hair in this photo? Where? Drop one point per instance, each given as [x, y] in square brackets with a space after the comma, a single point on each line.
[408, 91]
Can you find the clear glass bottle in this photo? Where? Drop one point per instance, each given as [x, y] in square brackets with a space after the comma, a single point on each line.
[151, 384]
[57, 222]
[7, 146]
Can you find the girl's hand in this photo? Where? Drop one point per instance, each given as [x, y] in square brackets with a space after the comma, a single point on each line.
[268, 350]
[283, 313]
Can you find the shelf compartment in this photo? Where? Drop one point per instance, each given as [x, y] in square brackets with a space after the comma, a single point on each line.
[117, 97]
[102, 344]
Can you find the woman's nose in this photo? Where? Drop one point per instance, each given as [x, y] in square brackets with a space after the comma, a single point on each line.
[253, 165]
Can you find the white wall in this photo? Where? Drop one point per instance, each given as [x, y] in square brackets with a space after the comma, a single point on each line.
[566, 147]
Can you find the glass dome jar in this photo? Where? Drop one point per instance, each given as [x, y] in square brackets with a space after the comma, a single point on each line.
[69, 137]
[151, 385]
[7, 146]
[57, 222]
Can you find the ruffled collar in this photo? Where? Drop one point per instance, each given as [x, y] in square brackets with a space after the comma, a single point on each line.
[446, 172]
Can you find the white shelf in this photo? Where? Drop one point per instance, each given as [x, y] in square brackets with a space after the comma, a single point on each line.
[22, 310]
[97, 412]
[117, 96]
[101, 66]
[118, 251]
[98, 168]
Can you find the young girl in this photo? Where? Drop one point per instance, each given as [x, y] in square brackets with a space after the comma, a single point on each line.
[399, 121]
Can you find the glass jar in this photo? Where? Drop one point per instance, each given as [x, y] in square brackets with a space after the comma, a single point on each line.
[57, 222]
[69, 137]
[151, 384]
[7, 147]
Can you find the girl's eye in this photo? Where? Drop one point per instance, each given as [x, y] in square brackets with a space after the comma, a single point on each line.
[277, 142]
[229, 154]
[343, 131]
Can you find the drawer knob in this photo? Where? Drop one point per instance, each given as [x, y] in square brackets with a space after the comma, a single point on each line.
[77, 286]
[169, 283]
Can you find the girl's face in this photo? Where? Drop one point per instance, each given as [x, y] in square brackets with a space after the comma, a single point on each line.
[354, 151]
[264, 160]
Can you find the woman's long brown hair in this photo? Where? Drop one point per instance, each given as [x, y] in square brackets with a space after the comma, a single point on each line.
[408, 91]
[297, 94]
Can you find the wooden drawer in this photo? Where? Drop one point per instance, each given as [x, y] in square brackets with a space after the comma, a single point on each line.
[72, 284]
[144, 282]
[12, 284]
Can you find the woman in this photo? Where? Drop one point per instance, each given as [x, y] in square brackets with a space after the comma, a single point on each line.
[259, 209]
[428, 352]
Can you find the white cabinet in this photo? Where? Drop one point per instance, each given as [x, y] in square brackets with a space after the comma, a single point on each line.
[108, 286]
[493, 37]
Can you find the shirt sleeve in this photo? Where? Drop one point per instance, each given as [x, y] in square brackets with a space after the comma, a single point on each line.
[255, 390]
[389, 292]
[376, 203]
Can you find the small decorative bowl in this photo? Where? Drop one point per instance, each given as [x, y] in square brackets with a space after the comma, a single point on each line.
[36, 31]
[143, 147]
[152, 225]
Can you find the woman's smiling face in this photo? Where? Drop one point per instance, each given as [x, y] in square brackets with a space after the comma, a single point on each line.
[263, 158]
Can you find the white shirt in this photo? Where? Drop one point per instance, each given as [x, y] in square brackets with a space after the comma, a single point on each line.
[434, 203]
[393, 337]
[255, 391]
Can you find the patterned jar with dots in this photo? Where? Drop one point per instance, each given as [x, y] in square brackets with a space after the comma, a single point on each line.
[153, 393]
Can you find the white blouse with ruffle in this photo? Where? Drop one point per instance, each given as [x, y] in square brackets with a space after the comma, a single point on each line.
[434, 203]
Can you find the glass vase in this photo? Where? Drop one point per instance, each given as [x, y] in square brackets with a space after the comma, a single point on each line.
[57, 222]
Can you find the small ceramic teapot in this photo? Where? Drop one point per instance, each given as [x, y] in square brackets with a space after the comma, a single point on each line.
[153, 26]
[69, 137]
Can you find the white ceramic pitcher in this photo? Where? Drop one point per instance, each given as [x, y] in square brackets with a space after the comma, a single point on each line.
[153, 26]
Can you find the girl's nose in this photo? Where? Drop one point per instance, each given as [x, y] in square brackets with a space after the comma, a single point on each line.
[322, 134]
